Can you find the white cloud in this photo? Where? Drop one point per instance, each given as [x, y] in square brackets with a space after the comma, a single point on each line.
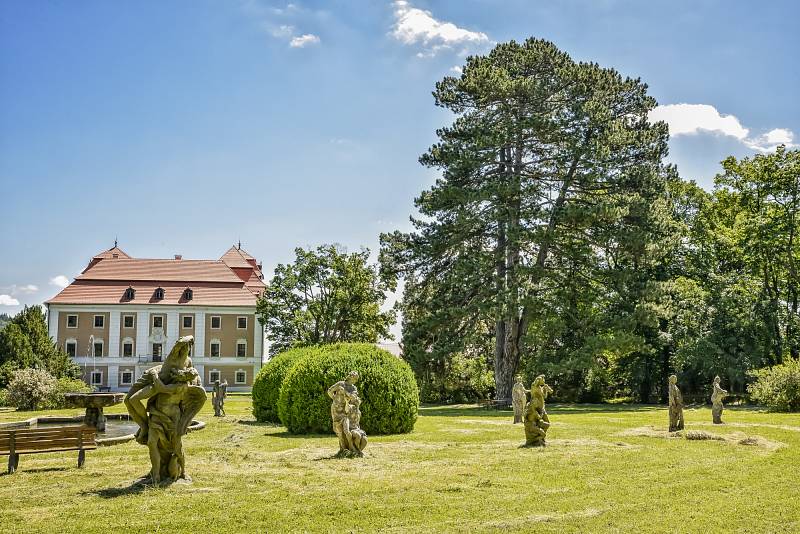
[8, 300]
[60, 281]
[303, 40]
[284, 30]
[27, 288]
[692, 119]
[456, 69]
[417, 26]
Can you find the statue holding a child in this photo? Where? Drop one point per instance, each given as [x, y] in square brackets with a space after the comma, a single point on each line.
[163, 402]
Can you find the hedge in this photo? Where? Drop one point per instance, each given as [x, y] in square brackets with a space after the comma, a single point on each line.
[388, 390]
[267, 385]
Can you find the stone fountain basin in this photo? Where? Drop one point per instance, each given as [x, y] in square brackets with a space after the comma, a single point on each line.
[93, 400]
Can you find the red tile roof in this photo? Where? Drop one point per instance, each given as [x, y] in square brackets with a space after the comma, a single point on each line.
[229, 281]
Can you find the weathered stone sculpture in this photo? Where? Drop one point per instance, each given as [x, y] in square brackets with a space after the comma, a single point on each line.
[218, 395]
[717, 397]
[675, 405]
[174, 396]
[537, 421]
[519, 398]
[346, 417]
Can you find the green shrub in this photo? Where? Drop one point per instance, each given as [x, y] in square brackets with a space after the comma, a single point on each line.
[777, 387]
[388, 391]
[267, 385]
[4, 398]
[67, 385]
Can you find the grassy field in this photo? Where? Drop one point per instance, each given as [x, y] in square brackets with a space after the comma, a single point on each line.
[605, 469]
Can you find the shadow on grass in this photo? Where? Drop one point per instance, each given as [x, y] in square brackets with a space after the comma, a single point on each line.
[460, 410]
[286, 434]
[37, 470]
[253, 422]
[134, 488]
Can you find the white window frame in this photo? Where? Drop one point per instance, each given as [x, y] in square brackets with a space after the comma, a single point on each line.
[102, 321]
[122, 381]
[127, 341]
[211, 350]
[102, 347]
[238, 318]
[92, 375]
[74, 342]
[211, 374]
[76, 320]
[153, 321]
[211, 323]
[132, 318]
[236, 376]
[241, 342]
[191, 321]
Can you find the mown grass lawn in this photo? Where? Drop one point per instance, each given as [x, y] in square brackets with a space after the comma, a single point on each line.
[605, 469]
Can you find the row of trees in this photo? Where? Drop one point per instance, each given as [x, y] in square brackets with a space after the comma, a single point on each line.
[557, 240]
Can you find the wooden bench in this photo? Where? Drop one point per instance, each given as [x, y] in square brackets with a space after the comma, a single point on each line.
[16, 441]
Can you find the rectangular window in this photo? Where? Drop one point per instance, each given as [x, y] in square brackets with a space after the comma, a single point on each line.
[97, 378]
[213, 376]
[99, 321]
[98, 348]
[187, 321]
[126, 378]
[72, 348]
[241, 323]
[127, 321]
[241, 350]
[216, 322]
[72, 321]
[241, 377]
[215, 350]
[127, 350]
[158, 321]
[156, 352]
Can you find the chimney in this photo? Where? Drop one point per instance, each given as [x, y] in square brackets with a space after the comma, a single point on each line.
[178, 257]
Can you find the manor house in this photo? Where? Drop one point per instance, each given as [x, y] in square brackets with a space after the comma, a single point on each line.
[122, 315]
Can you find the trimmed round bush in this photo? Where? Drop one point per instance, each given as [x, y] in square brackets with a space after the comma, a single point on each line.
[267, 385]
[386, 386]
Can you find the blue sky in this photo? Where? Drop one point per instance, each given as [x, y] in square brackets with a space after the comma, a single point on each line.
[184, 126]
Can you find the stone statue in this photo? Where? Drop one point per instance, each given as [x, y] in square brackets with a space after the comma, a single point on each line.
[519, 398]
[717, 397]
[174, 396]
[537, 421]
[675, 405]
[346, 417]
[218, 397]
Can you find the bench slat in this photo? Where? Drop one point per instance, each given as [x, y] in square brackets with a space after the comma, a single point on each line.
[65, 449]
[35, 444]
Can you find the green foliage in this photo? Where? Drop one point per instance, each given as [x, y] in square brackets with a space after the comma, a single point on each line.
[778, 386]
[462, 379]
[32, 389]
[551, 208]
[25, 343]
[267, 385]
[325, 296]
[4, 398]
[36, 389]
[4, 320]
[387, 388]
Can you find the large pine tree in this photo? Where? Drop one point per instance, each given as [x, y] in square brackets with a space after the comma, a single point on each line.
[549, 162]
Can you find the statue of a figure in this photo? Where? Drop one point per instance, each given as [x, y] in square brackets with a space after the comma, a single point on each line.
[174, 396]
[346, 416]
[675, 405]
[519, 398]
[717, 397]
[218, 395]
[537, 421]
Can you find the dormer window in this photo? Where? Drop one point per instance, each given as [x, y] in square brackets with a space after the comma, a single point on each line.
[187, 294]
[159, 294]
[130, 293]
